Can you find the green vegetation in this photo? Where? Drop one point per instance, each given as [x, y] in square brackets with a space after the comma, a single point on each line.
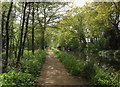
[90, 33]
[33, 63]
[88, 69]
[27, 73]
[13, 79]
[112, 57]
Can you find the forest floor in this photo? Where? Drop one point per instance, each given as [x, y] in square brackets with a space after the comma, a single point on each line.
[54, 74]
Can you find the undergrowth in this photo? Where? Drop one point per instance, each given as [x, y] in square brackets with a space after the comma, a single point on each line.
[27, 73]
[88, 69]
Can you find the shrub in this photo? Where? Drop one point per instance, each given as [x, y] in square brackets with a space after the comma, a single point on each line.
[106, 77]
[89, 70]
[112, 57]
[14, 79]
[73, 66]
[27, 72]
[33, 63]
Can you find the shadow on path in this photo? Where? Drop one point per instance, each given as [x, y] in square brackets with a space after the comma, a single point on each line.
[53, 74]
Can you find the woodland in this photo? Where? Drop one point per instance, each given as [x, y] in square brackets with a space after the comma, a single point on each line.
[85, 39]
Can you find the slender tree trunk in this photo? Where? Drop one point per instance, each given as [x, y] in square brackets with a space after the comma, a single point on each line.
[18, 40]
[33, 29]
[10, 47]
[16, 48]
[43, 32]
[11, 40]
[20, 47]
[28, 45]
[2, 26]
[7, 38]
[42, 39]
[26, 30]
[13, 45]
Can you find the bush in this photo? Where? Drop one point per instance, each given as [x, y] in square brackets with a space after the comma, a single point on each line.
[89, 70]
[33, 63]
[26, 74]
[73, 66]
[112, 57]
[19, 79]
[106, 77]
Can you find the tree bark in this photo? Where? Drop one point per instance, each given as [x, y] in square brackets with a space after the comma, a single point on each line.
[43, 31]
[26, 30]
[20, 47]
[7, 38]
[42, 39]
[33, 29]
[2, 26]
[18, 40]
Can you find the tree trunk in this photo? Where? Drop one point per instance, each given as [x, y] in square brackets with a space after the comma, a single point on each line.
[7, 38]
[18, 40]
[28, 43]
[26, 30]
[20, 47]
[33, 29]
[43, 32]
[2, 26]
[16, 48]
[42, 39]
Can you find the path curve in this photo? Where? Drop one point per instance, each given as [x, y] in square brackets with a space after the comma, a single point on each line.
[54, 73]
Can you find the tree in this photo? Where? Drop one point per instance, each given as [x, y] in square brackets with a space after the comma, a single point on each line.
[21, 35]
[7, 37]
[2, 26]
[110, 12]
[33, 29]
[47, 14]
[26, 30]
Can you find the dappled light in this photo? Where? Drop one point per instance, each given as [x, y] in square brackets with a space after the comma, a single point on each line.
[60, 44]
[54, 73]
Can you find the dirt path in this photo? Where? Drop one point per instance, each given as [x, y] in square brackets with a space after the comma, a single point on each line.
[53, 73]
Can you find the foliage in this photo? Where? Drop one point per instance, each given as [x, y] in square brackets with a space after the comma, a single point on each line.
[108, 53]
[89, 70]
[28, 71]
[13, 79]
[111, 56]
[93, 28]
[75, 67]
[106, 77]
[33, 63]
